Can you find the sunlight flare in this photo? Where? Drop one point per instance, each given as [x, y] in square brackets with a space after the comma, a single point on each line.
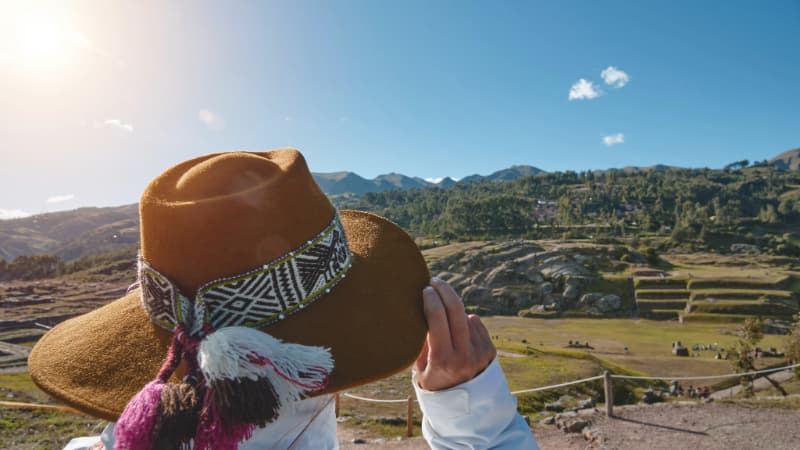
[41, 41]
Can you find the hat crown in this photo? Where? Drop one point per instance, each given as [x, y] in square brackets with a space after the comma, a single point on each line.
[223, 214]
[223, 175]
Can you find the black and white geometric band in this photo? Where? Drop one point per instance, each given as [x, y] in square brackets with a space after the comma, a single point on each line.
[255, 298]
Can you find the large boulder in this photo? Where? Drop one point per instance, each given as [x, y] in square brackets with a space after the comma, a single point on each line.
[505, 275]
[588, 300]
[511, 299]
[577, 281]
[556, 265]
[553, 302]
[477, 296]
[571, 292]
[607, 303]
[745, 248]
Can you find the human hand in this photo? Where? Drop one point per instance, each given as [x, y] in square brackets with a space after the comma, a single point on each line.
[458, 346]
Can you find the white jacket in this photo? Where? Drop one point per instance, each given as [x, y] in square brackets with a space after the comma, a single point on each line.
[478, 414]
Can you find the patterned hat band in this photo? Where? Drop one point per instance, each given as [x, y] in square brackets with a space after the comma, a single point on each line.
[255, 298]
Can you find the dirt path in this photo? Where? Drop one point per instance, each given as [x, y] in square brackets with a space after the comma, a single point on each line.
[666, 426]
[671, 426]
[348, 434]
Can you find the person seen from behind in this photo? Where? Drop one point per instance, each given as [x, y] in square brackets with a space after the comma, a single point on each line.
[256, 301]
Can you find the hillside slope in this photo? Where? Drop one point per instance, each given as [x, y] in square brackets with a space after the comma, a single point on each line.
[70, 234]
[788, 160]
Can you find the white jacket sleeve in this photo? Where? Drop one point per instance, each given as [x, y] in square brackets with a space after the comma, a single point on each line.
[479, 414]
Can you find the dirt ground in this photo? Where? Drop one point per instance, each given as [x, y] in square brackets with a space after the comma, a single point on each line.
[669, 426]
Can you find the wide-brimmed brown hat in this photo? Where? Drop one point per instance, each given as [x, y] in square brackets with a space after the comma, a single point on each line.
[210, 226]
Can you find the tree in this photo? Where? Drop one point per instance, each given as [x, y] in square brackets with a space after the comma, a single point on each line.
[750, 334]
[786, 208]
[743, 359]
[793, 343]
[31, 267]
[737, 165]
[768, 214]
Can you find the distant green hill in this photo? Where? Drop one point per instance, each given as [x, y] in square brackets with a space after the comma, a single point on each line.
[70, 234]
[757, 206]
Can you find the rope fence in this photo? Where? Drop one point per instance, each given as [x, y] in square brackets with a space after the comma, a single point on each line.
[598, 377]
[40, 407]
[556, 386]
[707, 377]
[607, 378]
[373, 400]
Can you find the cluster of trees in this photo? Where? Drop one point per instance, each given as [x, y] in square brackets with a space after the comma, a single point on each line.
[31, 267]
[687, 205]
[36, 267]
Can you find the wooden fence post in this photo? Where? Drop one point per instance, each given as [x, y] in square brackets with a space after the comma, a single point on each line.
[609, 388]
[410, 417]
[336, 407]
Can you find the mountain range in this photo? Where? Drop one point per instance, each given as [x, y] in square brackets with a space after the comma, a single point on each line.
[335, 183]
[87, 231]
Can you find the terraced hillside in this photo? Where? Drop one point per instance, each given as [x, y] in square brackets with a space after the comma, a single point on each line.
[713, 297]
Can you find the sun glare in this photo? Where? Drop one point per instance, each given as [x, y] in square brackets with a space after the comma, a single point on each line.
[42, 41]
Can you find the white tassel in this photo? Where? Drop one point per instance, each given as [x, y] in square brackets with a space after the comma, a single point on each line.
[233, 353]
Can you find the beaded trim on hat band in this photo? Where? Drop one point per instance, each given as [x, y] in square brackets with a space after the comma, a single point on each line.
[255, 298]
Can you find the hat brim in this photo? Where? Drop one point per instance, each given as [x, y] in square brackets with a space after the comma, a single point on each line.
[372, 321]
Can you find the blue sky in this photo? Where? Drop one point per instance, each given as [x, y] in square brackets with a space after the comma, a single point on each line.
[120, 91]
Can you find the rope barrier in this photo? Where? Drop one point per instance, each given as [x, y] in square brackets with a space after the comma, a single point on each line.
[555, 386]
[706, 377]
[19, 405]
[36, 406]
[524, 391]
[374, 400]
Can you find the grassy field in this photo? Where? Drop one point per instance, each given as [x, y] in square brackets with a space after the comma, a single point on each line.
[648, 342]
[22, 429]
[533, 354]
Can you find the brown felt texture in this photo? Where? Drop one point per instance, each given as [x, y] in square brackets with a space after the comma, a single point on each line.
[221, 215]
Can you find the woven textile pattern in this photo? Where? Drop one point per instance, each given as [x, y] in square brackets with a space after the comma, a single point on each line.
[158, 296]
[258, 297]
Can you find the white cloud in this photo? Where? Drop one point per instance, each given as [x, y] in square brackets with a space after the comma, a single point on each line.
[614, 139]
[118, 124]
[6, 214]
[436, 180]
[60, 198]
[583, 90]
[615, 77]
[211, 119]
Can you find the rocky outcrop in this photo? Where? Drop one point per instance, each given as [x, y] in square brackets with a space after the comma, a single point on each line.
[521, 277]
[598, 303]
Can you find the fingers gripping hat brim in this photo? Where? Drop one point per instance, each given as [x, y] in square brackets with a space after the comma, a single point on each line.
[372, 321]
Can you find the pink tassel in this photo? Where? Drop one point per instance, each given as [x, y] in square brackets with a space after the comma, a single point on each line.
[214, 434]
[137, 427]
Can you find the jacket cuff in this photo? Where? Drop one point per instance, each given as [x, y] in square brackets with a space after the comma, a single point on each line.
[483, 402]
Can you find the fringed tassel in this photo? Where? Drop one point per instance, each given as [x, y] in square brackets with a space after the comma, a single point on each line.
[249, 375]
[138, 426]
[181, 405]
[141, 421]
[216, 431]
[245, 376]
